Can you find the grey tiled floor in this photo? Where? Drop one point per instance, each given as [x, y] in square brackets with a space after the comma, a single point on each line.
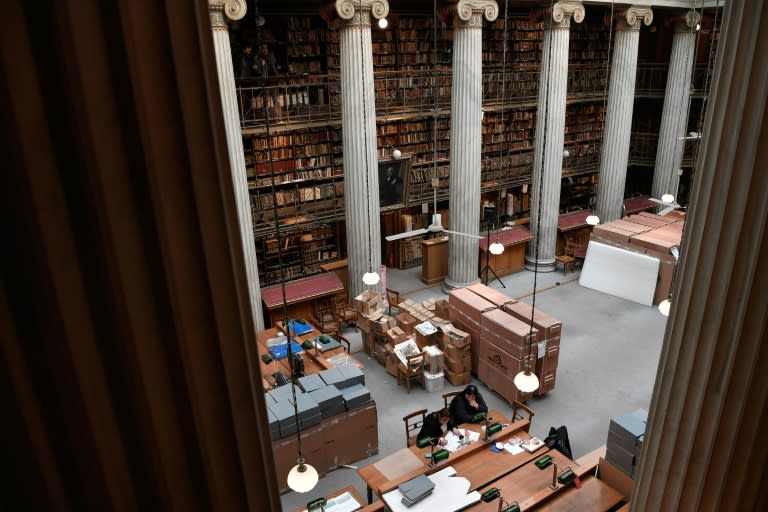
[609, 353]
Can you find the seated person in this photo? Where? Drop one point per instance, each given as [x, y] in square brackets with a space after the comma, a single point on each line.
[436, 425]
[465, 406]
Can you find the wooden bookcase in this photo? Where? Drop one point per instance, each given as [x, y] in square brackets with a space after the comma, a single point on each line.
[412, 80]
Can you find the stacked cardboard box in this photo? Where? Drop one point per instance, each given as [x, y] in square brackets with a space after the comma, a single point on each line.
[465, 311]
[406, 322]
[548, 351]
[499, 327]
[505, 351]
[457, 356]
[426, 334]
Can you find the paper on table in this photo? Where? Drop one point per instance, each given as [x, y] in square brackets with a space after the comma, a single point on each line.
[514, 449]
[342, 503]
[453, 439]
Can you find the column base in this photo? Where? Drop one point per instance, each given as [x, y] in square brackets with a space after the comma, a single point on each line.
[449, 285]
[544, 265]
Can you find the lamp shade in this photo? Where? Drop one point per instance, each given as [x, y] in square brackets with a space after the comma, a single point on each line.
[383, 23]
[302, 477]
[396, 154]
[593, 220]
[526, 381]
[667, 198]
[370, 278]
[496, 248]
[664, 307]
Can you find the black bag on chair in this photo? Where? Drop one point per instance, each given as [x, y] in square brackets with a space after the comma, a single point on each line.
[558, 439]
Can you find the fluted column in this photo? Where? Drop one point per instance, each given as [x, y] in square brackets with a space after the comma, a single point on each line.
[220, 10]
[466, 119]
[358, 110]
[550, 127]
[669, 152]
[705, 447]
[618, 118]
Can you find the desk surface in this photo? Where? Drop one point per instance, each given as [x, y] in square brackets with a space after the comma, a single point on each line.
[638, 204]
[314, 362]
[515, 235]
[379, 483]
[573, 220]
[300, 290]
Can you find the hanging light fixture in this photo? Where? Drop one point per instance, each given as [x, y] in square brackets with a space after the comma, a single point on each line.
[668, 198]
[593, 220]
[383, 23]
[664, 306]
[370, 278]
[497, 248]
[302, 477]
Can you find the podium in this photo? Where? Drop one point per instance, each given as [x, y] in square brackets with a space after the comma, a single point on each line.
[434, 260]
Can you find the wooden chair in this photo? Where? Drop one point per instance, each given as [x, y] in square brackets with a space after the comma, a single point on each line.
[345, 343]
[519, 412]
[325, 317]
[413, 424]
[447, 397]
[393, 298]
[345, 313]
[413, 369]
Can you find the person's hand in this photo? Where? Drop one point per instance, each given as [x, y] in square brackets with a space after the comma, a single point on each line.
[473, 403]
[442, 442]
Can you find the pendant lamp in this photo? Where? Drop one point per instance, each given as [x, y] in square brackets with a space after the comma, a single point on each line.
[302, 477]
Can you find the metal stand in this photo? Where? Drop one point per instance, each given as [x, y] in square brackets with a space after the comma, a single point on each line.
[487, 268]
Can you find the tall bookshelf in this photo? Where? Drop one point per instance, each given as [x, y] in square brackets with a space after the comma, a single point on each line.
[413, 100]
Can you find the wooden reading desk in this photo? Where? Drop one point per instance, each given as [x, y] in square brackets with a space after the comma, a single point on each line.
[299, 295]
[314, 362]
[514, 240]
[638, 204]
[475, 461]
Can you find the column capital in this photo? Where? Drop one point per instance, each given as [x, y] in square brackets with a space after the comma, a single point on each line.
[222, 10]
[633, 17]
[561, 13]
[358, 12]
[685, 22]
[470, 13]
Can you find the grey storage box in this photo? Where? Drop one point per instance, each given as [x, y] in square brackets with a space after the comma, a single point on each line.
[625, 440]
[356, 396]
[353, 374]
[330, 401]
[310, 383]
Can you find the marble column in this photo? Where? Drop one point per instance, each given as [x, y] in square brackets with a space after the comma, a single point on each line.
[550, 128]
[705, 445]
[220, 11]
[618, 117]
[358, 110]
[466, 136]
[669, 152]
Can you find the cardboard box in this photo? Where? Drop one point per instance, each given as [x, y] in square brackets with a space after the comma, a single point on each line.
[426, 334]
[547, 325]
[491, 295]
[382, 324]
[435, 360]
[456, 338]
[395, 335]
[441, 308]
[391, 364]
[458, 379]
[508, 333]
[468, 303]
[454, 365]
[500, 383]
[406, 322]
[368, 302]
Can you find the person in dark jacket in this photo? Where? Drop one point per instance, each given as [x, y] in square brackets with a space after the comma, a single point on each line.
[467, 405]
[436, 425]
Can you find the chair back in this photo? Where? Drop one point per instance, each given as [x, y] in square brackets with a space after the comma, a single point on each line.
[393, 298]
[413, 424]
[448, 397]
[520, 411]
[413, 369]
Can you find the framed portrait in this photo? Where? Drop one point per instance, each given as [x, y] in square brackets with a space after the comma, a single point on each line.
[393, 182]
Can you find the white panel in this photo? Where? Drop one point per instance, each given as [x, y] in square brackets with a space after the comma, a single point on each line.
[620, 272]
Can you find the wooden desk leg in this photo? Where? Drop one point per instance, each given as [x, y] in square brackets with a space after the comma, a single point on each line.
[370, 494]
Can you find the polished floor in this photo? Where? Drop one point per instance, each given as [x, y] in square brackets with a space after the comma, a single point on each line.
[609, 354]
